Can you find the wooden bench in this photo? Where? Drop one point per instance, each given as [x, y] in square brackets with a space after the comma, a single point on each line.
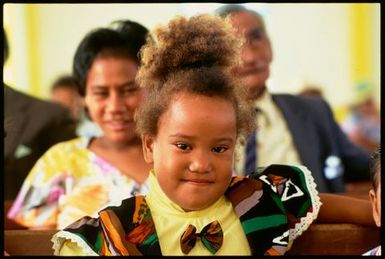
[28, 242]
[319, 239]
[336, 239]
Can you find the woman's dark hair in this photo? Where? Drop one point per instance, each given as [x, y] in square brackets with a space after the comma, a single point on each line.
[135, 34]
[124, 41]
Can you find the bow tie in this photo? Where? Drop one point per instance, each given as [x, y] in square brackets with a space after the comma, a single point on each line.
[211, 237]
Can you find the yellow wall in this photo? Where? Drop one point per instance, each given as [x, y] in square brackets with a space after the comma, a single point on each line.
[31, 13]
[361, 42]
[363, 61]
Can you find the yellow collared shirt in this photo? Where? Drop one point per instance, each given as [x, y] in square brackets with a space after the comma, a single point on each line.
[171, 221]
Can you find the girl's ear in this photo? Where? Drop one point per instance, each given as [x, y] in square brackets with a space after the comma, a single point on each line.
[148, 148]
[375, 207]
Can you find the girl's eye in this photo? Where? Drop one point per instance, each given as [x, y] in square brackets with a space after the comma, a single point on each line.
[182, 146]
[219, 149]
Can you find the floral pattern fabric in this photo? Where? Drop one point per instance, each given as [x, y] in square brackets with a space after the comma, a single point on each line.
[69, 182]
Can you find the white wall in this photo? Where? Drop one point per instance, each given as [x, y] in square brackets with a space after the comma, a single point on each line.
[310, 41]
[311, 46]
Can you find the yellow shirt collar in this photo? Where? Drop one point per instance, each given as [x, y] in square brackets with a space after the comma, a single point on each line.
[163, 204]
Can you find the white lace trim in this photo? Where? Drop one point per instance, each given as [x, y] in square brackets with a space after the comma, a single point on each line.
[59, 238]
[306, 221]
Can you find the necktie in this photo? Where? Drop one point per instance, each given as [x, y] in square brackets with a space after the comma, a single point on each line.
[251, 154]
[211, 237]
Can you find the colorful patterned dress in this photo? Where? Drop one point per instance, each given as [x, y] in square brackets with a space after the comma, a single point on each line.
[272, 207]
[375, 251]
[69, 182]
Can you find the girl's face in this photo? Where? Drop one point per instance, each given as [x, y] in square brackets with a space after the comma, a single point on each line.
[112, 96]
[193, 151]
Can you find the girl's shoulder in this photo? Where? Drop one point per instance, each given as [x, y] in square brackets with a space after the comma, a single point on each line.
[131, 215]
[286, 193]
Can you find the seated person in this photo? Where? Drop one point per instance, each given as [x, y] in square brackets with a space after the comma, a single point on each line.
[28, 134]
[79, 177]
[66, 92]
[291, 129]
[363, 123]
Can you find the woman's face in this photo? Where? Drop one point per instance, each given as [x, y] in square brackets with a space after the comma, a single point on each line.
[112, 96]
[193, 151]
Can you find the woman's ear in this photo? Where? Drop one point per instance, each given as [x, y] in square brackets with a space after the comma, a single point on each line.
[148, 148]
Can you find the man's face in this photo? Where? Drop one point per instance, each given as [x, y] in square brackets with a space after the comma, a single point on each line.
[256, 53]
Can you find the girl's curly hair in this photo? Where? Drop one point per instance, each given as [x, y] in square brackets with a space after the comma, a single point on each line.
[192, 55]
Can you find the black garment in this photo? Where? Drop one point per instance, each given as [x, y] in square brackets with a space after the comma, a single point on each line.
[31, 126]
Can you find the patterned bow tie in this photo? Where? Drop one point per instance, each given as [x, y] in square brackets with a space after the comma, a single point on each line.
[211, 237]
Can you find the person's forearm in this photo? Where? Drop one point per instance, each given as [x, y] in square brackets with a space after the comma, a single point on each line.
[344, 209]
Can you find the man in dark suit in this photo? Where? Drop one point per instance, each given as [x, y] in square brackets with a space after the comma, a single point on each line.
[290, 129]
[31, 126]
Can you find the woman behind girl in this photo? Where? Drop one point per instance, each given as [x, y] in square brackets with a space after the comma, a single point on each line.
[79, 177]
[190, 122]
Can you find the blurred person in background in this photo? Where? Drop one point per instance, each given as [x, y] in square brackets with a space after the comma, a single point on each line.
[311, 90]
[363, 123]
[65, 91]
[32, 126]
[291, 129]
[80, 177]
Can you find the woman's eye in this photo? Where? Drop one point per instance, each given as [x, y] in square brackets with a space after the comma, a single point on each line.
[100, 93]
[219, 149]
[182, 146]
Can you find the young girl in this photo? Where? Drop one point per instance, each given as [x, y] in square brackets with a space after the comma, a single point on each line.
[190, 122]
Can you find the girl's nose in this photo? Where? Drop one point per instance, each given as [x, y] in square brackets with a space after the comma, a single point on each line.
[201, 163]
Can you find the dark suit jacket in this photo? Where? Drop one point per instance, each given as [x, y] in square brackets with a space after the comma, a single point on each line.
[31, 127]
[317, 136]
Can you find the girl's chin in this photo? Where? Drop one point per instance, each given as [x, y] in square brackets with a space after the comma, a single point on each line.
[196, 206]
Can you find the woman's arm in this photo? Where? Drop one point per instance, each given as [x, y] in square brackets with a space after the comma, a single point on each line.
[338, 208]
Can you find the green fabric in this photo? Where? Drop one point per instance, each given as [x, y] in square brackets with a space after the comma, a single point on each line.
[259, 223]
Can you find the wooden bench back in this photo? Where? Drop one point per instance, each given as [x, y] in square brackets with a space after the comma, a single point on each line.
[336, 239]
[319, 239]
